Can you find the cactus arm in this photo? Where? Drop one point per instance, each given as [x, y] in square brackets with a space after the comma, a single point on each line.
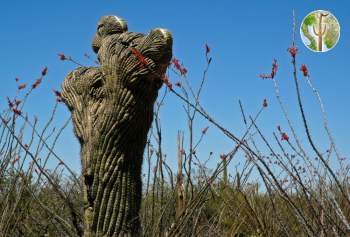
[314, 30]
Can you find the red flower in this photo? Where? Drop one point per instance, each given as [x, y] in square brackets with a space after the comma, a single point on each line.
[304, 69]
[273, 71]
[265, 104]
[15, 160]
[22, 86]
[166, 81]
[165, 78]
[37, 82]
[223, 156]
[176, 63]
[44, 71]
[62, 56]
[183, 71]
[179, 67]
[18, 102]
[16, 111]
[284, 137]
[207, 49]
[274, 68]
[293, 51]
[139, 56]
[57, 93]
[204, 130]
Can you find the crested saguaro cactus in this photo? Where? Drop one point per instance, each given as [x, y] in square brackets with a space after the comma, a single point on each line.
[112, 111]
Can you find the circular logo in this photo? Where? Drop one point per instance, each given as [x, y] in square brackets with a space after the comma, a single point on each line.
[320, 31]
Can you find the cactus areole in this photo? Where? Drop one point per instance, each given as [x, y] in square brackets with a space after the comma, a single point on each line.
[112, 111]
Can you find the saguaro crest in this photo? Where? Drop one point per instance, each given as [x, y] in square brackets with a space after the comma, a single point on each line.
[112, 111]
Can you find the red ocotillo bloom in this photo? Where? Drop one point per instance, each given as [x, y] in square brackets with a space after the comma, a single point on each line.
[58, 95]
[139, 56]
[22, 86]
[284, 137]
[205, 130]
[265, 104]
[304, 69]
[37, 82]
[179, 67]
[16, 111]
[274, 68]
[223, 156]
[18, 102]
[293, 51]
[62, 56]
[207, 49]
[273, 71]
[44, 71]
[15, 160]
[166, 81]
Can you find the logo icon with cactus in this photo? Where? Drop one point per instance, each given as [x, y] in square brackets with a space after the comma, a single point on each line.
[320, 31]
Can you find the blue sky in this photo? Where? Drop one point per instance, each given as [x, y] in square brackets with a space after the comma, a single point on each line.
[244, 37]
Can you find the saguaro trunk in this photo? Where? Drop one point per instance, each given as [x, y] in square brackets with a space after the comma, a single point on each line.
[321, 32]
[112, 111]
